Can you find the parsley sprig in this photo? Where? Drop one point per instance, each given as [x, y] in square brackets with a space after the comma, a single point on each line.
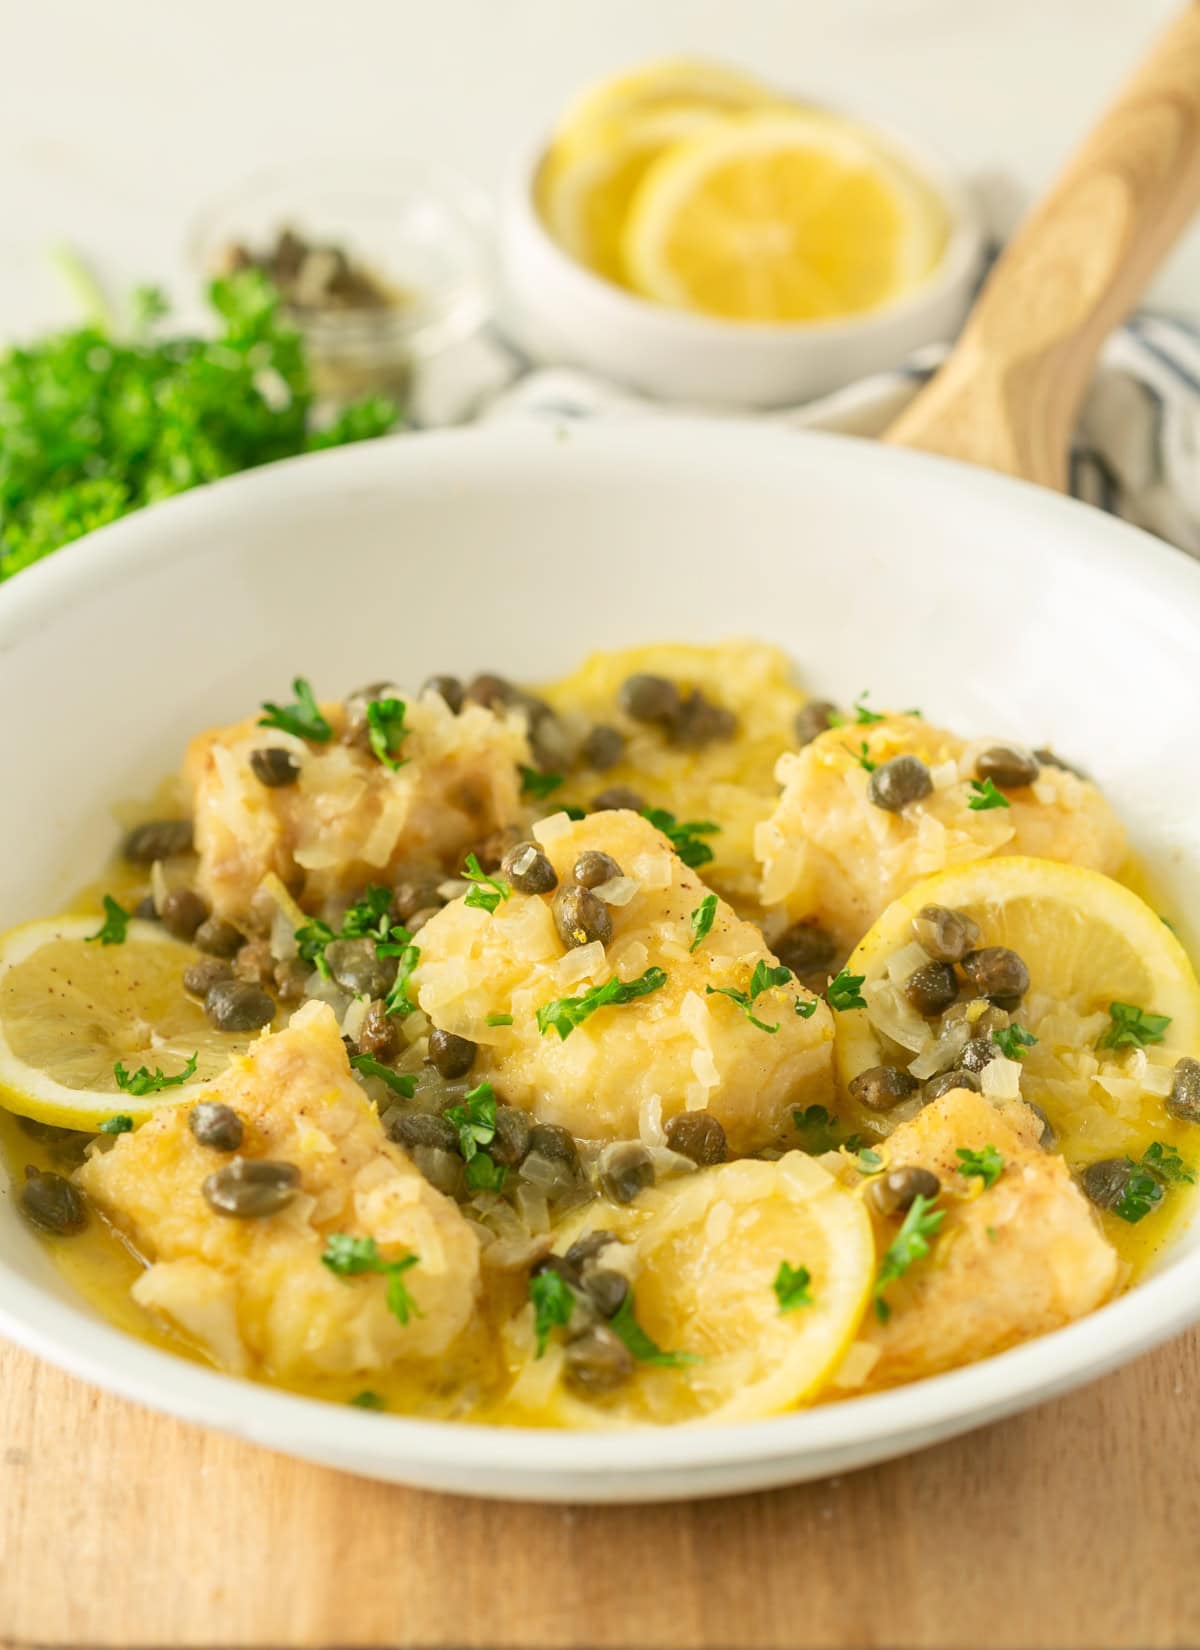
[116, 922]
[487, 892]
[702, 919]
[303, 719]
[984, 795]
[403, 1083]
[684, 835]
[625, 1326]
[120, 1124]
[142, 1081]
[1166, 1162]
[764, 978]
[386, 731]
[553, 1303]
[399, 1001]
[1133, 1027]
[565, 1013]
[791, 1287]
[845, 991]
[1012, 1041]
[367, 918]
[986, 1165]
[1143, 1191]
[539, 785]
[910, 1244]
[350, 1257]
[863, 716]
[475, 1121]
[861, 757]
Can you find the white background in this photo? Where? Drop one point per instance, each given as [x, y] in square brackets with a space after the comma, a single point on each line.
[119, 118]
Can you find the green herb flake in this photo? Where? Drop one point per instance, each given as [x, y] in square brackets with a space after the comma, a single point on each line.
[386, 731]
[625, 1326]
[539, 785]
[369, 917]
[1133, 1027]
[565, 1013]
[398, 1001]
[702, 919]
[553, 1303]
[488, 892]
[475, 1119]
[910, 1244]
[1012, 1041]
[993, 1234]
[984, 795]
[499, 1019]
[861, 757]
[818, 1126]
[986, 1165]
[303, 719]
[142, 1081]
[1165, 1161]
[1143, 1192]
[684, 836]
[403, 1083]
[869, 1161]
[351, 1257]
[116, 922]
[844, 991]
[791, 1287]
[484, 1174]
[120, 1124]
[764, 978]
[368, 1400]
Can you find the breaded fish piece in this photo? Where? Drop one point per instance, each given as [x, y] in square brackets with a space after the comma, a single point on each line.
[829, 853]
[254, 1293]
[690, 1048]
[349, 819]
[1010, 1261]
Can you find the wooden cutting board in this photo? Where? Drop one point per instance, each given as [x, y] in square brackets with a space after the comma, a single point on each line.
[1073, 1527]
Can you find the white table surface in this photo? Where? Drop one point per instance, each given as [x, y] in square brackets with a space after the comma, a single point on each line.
[118, 118]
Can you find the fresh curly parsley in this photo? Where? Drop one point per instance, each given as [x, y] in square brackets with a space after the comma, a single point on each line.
[844, 991]
[702, 919]
[488, 892]
[116, 922]
[398, 1002]
[791, 1287]
[565, 1013]
[1012, 1041]
[351, 1257]
[553, 1303]
[764, 978]
[986, 1165]
[868, 1161]
[1143, 1191]
[984, 795]
[684, 836]
[484, 1174]
[386, 731]
[120, 1124]
[1166, 1162]
[1133, 1027]
[142, 1081]
[303, 719]
[403, 1083]
[861, 757]
[539, 785]
[625, 1326]
[368, 1400]
[475, 1119]
[910, 1244]
[367, 918]
[863, 716]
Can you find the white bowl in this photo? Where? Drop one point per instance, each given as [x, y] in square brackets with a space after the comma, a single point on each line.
[563, 314]
[989, 603]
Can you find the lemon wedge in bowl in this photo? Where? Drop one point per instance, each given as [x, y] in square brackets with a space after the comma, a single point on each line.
[781, 217]
[604, 112]
[72, 1008]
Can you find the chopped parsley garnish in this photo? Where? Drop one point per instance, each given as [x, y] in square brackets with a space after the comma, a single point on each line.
[684, 836]
[820, 1128]
[553, 1303]
[350, 1257]
[368, 1400]
[805, 1007]
[910, 1244]
[844, 992]
[1143, 1192]
[702, 920]
[120, 1124]
[303, 719]
[398, 1003]
[484, 1174]
[986, 1165]
[984, 795]
[1012, 1041]
[539, 785]
[488, 892]
[572, 812]
[1133, 1027]
[869, 1162]
[367, 918]
[499, 1019]
[386, 731]
[141, 1081]
[565, 1013]
[625, 1326]
[764, 978]
[863, 715]
[791, 1287]
[1166, 1162]
[861, 757]
[403, 1083]
[475, 1119]
[116, 921]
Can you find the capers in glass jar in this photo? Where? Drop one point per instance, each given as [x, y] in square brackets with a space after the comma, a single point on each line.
[1183, 1102]
[947, 1080]
[200, 977]
[236, 1005]
[528, 869]
[813, 720]
[593, 868]
[603, 748]
[947, 935]
[510, 1143]
[448, 688]
[648, 698]
[931, 988]
[998, 974]
[157, 839]
[616, 798]
[698, 1135]
[251, 1188]
[1106, 1182]
[580, 917]
[183, 913]
[895, 784]
[274, 767]
[52, 1203]
[882, 1087]
[1009, 766]
[450, 1055]
[625, 1170]
[357, 966]
[217, 938]
[895, 1192]
[419, 1128]
[216, 1125]
[597, 1360]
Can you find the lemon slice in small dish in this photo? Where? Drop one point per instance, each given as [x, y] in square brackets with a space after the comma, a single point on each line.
[71, 1008]
[781, 217]
[601, 112]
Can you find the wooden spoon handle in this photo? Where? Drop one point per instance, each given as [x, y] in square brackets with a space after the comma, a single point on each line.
[1008, 394]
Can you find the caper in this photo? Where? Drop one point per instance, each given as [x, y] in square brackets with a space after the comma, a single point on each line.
[560, 1265]
[931, 988]
[249, 1188]
[217, 938]
[1046, 1135]
[491, 691]
[807, 949]
[51, 1203]
[183, 912]
[700, 722]
[698, 1135]
[896, 1191]
[946, 935]
[580, 917]
[557, 1144]
[882, 1087]
[157, 839]
[603, 748]
[598, 1360]
[998, 974]
[528, 869]
[357, 966]
[1107, 1181]
[491, 851]
[145, 909]
[217, 1125]
[587, 1248]
[235, 1005]
[1048, 759]
[452, 1056]
[378, 1035]
[419, 918]
[254, 962]
[67, 1146]
[419, 1128]
[947, 1080]
[549, 742]
[415, 888]
[977, 1053]
[618, 798]
[510, 1143]
[291, 979]
[593, 868]
[606, 1290]
[448, 688]
[813, 720]
[649, 698]
[895, 784]
[625, 1170]
[200, 977]
[1183, 1102]
[273, 766]
[1009, 766]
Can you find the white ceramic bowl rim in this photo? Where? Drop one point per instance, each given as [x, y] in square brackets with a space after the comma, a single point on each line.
[875, 1426]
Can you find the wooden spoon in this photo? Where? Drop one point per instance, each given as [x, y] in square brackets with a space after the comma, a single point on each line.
[1008, 394]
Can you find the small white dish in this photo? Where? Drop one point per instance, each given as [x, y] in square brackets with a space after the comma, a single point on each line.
[989, 603]
[563, 314]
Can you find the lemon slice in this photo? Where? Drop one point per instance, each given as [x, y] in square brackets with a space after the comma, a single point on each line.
[70, 1008]
[781, 217]
[598, 114]
[1087, 942]
[705, 1253]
